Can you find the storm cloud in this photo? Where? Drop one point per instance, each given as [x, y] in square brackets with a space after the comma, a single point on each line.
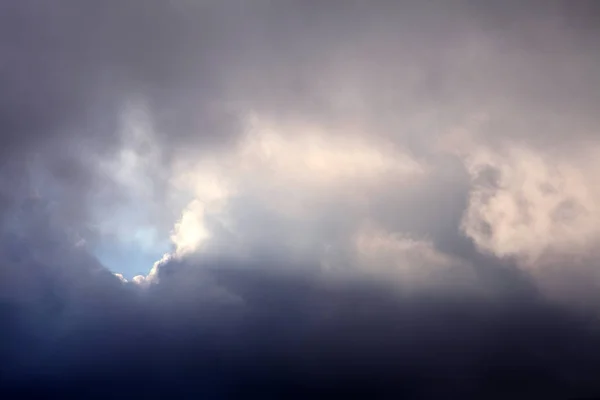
[293, 198]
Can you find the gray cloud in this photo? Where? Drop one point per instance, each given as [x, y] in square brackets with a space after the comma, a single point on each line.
[310, 159]
[225, 329]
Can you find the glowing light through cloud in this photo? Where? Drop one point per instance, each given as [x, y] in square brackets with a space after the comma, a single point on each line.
[288, 167]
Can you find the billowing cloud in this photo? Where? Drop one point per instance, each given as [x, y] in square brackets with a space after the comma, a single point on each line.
[292, 171]
[526, 203]
[336, 197]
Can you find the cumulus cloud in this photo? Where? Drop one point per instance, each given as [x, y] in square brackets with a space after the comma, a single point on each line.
[526, 203]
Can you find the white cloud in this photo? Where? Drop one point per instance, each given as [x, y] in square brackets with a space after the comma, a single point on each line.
[307, 154]
[152, 276]
[291, 170]
[527, 204]
[190, 231]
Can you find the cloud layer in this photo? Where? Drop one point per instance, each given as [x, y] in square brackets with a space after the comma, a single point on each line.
[297, 198]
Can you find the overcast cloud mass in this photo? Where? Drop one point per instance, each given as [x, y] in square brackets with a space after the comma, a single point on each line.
[368, 199]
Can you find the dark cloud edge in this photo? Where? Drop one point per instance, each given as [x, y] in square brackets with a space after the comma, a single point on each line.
[221, 329]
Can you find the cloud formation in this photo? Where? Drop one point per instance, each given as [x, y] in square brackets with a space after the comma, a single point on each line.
[299, 198]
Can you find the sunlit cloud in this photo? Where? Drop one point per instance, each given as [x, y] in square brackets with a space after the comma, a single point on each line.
[262, 195]
[289, 168]
[529, 204]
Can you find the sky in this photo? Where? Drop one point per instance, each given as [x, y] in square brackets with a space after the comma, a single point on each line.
[295, 198]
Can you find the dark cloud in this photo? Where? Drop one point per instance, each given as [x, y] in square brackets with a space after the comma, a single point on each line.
[225, 328]
[69, 68]
[288, 335]
[493, 106]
